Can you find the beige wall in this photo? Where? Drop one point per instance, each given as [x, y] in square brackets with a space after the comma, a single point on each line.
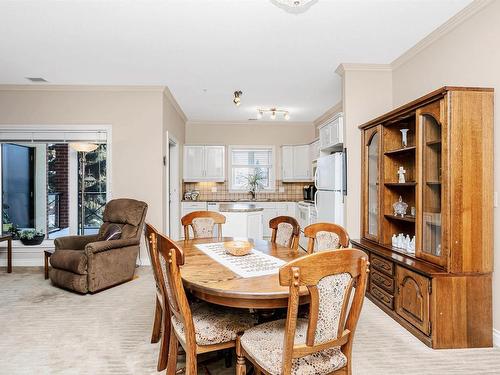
[367, 93]
[251, 134]
[137, 128]
[469, 55]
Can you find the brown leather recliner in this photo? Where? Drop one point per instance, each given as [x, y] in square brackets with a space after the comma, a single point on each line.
[88, 264]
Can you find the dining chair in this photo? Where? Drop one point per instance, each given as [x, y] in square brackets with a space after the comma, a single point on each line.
[203, 224]
[285, 231]
[323, 236]
[198, 328]
[161, 322]
[322, 343]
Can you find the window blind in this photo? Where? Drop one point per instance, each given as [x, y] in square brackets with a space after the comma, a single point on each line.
[55, 136]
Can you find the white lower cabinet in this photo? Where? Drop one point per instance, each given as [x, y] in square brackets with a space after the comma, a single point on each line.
[243, 224]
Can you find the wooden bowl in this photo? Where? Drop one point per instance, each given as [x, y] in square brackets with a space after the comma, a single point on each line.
[238, 248]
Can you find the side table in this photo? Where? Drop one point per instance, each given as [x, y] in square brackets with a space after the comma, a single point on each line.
[8, 238]
[47, 254]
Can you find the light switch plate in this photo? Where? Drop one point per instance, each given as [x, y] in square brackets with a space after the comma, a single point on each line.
[214, 189]
[495, 199]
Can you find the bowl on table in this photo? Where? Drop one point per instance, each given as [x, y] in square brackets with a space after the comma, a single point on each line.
[238, 248]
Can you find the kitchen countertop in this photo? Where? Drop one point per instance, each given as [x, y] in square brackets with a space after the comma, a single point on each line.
[239, 207]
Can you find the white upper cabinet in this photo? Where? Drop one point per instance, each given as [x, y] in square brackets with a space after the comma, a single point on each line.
[296, 163]
[204, 163]
[314, 150]
[331, 135]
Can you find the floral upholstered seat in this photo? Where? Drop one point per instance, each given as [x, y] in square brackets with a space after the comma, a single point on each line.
[203, 227]
[284, 234]
[327, 240]
[264, 342]
[215, 324]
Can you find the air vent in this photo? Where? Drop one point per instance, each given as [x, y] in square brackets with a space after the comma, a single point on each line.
[36, 79]
[252, 119]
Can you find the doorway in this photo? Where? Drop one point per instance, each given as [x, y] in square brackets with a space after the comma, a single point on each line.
[172, 165]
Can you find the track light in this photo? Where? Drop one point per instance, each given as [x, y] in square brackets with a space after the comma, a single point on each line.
[273, 113]
[237, 98]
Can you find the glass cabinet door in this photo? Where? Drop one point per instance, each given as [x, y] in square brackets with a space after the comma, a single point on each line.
[372, 162]
[431, 181]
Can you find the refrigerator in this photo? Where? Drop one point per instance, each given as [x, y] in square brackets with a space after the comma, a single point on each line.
[329, 179]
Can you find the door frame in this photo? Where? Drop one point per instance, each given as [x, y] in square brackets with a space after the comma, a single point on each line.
[171, 169]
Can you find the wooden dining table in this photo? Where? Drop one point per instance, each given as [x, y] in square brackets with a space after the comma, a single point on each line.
[212, 282]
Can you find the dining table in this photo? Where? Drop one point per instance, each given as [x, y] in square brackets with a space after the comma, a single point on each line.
[210, 281]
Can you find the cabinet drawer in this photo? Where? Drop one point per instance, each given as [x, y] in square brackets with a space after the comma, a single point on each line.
[383, 281]
[382, 296]
[382, 265]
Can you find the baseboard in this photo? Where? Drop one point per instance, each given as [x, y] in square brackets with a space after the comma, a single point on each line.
[496, 337]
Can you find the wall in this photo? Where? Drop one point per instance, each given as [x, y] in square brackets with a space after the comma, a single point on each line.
[468, 55]
[137, 136]
[367, 93]
[258, 133]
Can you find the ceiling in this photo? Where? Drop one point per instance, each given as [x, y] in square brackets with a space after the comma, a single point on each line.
[203, 50]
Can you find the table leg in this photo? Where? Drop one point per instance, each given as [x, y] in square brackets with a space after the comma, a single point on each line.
[46, 266]
[9, 256]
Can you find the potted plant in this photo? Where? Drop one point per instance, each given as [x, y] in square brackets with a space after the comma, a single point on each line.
[31, 237]
[254, 182]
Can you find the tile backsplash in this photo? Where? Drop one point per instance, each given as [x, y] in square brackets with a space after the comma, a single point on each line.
[292, 191]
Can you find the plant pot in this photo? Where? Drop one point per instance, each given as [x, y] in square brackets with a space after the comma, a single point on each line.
[37, 240]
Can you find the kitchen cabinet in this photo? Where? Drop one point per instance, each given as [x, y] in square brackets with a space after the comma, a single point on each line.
[204, 163]
[296, 163]
[331, 135]
[314, 150]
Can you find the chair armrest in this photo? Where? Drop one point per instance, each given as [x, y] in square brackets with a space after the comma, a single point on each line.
[74, 242]
[97, 247]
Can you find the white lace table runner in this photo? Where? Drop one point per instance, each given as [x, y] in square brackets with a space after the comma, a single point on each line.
[254, 264]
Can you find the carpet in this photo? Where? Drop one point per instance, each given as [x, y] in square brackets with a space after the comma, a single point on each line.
[47, 330]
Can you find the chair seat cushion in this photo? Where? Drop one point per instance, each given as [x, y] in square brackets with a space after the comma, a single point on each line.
[215, 324]
[70, 260]
[264, 343]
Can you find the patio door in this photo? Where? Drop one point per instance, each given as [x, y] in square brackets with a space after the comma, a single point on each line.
[18, 185]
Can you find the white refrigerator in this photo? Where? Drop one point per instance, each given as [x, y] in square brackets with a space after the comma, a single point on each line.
[329, 181]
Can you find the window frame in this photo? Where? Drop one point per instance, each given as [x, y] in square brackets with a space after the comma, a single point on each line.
[272, 170]
[44, 133]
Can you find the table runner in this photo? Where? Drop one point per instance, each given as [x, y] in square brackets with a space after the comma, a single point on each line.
[254, 264]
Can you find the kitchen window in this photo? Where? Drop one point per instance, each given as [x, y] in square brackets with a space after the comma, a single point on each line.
[248, 161]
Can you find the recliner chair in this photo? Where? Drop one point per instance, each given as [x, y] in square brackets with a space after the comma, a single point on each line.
[89, 263]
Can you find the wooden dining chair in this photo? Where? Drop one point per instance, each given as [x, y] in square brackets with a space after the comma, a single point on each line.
[285, 231]
[325, 236]
[161, 322]
[200, 328]
[203, 224]
[322, 343]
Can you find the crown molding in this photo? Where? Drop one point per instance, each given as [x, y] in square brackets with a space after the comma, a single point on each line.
[329, 114]
[246, 123]
[345, 67]
[105, 88]
[441, 31]
[170, 97]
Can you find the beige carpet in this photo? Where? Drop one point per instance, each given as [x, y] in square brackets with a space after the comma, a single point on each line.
[46, 330]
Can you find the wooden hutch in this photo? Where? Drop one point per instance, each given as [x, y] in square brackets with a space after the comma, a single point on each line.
[442, 293]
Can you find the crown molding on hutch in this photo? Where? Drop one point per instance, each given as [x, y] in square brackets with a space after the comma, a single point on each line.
[246, 123]
[441, 31]
[170, 97]
[113, 88]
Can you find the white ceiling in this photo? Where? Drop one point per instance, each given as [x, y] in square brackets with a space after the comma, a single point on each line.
[275, 57]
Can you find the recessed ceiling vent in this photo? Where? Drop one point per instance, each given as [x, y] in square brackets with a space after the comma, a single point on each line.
[36, 79]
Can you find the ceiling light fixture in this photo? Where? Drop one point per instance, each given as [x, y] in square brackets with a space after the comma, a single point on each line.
[294, 5]
[237, 98]
[273, 113]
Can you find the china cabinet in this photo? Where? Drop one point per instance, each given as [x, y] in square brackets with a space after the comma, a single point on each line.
[443, 174]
